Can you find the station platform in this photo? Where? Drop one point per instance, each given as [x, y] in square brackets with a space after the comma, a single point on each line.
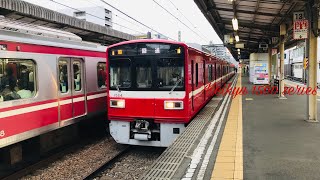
[251, 136]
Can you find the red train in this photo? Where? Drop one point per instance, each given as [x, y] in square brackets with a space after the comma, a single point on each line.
[48, 79]
[156, 87]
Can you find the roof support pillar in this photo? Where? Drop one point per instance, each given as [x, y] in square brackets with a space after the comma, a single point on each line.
[281, 49]
[312, 78]
[313, 61]
[269, 63]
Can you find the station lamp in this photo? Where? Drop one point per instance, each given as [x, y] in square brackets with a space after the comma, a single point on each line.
[237, 38]
[235, 24]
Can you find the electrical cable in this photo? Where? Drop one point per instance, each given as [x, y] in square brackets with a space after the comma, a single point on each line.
[179, 20]
[135, 19]
[93, 15]
[195, 27]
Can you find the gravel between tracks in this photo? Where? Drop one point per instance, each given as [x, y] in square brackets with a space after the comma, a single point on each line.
[78, 163]
[133, 165]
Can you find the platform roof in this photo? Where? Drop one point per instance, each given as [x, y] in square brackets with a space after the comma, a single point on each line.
[21, 10]
[258, 20]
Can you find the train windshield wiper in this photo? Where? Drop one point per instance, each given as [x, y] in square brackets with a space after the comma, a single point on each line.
[174, 87]
[117, 86]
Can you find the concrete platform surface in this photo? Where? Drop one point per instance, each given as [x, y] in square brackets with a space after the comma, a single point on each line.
[278, 143]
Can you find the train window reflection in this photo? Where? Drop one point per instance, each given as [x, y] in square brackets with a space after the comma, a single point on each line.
[170, 73]
[17, 79]
[63, 76]
[101, 73]
[120, 72]
[210, 72]
[77, 71]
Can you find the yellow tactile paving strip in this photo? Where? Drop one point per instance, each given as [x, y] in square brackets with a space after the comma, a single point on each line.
[229, 162]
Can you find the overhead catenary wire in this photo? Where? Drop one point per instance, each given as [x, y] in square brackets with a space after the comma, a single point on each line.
[93, 15]
[182, 13]
[114, 14]
[134, 19]
[194, 26]
[179, 20]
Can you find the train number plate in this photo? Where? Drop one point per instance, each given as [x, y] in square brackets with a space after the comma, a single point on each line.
[117, 95]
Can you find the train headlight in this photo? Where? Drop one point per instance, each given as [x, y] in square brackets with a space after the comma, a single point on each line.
[117, 103]
[173, 104]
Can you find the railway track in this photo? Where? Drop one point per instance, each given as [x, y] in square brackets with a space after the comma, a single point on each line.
[110, 161]
[43, 162]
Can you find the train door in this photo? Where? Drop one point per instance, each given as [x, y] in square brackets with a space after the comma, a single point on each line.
[71, 90]
[78, 88]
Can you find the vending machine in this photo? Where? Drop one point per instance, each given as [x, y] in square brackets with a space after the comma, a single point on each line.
[261, 75]
[259, 68]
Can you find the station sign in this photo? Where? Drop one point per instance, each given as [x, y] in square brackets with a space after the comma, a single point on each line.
[239, 45]
[300, 29]
[298, 15]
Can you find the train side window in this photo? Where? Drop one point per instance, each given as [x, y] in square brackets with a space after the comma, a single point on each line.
[213, 67]
[17, 79]
[210, 72]
[102, 75]
[77, 74]
[63, 76]
[197, 71]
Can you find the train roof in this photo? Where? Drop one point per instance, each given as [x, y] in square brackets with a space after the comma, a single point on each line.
[25, 32]
[164, 41]
[147, 41]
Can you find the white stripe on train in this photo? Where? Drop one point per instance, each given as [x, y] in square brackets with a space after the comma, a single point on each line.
[158, 94]
[19, 111]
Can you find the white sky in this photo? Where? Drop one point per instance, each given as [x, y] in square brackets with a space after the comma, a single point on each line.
[149, 13]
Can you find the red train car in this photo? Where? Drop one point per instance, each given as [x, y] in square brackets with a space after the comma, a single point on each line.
[48, 79]
[156, 87]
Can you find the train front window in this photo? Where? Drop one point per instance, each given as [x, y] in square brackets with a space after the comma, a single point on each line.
[120, 73]
[170, 73]
[146, 67]
[143, 73]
